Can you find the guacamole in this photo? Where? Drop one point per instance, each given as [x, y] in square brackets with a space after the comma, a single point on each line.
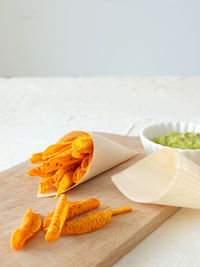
[185, 140]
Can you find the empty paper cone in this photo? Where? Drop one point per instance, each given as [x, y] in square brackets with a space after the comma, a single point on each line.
[106, 154]
[164, 177]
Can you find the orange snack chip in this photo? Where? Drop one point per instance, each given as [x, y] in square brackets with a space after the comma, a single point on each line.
[57, 162]
[45, 184]
[38, 172]
[31, 224]
[88, 223]
[86, 163]
[92, 221]
[78, 174]
[58, 219]
[77, 154]
[55, 149]
[83, 144]
[36, 158]
[65, 183]
[59, 174]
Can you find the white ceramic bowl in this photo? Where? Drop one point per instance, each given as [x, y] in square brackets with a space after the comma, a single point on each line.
[156, 130]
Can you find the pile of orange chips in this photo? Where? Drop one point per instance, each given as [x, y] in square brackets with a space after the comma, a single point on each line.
[58, 221]
[63, 164]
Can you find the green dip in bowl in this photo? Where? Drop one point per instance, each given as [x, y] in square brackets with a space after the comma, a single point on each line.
[187, 140]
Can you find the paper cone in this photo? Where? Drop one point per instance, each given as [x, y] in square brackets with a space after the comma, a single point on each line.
[106, 154]
[164, 177]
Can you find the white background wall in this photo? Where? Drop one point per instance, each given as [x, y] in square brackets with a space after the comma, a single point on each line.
[99, 37]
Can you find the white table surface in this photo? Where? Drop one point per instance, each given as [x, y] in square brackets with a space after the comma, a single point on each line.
[35, 112]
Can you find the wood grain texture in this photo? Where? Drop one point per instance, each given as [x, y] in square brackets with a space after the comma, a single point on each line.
[101, 248]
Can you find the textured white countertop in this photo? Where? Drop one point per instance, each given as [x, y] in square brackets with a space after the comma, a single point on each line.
[35, 112]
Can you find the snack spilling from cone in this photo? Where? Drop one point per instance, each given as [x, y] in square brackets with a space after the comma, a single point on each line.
[77, 157]
[63, 164]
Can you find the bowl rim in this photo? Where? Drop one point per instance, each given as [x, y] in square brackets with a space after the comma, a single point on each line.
[142, 136]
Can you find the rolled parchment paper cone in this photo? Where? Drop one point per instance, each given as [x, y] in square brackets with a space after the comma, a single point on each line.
[165, 177]
[106, 154]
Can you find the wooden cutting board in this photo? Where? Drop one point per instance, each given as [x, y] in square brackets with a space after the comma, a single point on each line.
[100, 248]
